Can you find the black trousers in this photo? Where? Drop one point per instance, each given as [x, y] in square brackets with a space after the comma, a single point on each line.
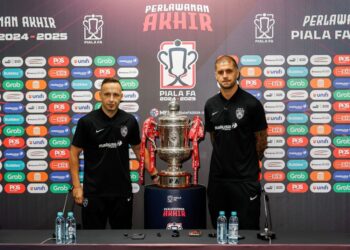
[242, 197]
[96, 211]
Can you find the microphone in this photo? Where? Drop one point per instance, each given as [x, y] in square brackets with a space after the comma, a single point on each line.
[267, 234]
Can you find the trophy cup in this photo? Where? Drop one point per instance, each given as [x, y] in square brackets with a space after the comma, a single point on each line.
[175, 132]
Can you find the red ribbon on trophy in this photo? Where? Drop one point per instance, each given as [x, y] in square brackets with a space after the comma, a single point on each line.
[149, 132]
[195, 134]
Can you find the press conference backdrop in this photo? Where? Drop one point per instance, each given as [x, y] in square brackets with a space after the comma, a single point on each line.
[294, 57]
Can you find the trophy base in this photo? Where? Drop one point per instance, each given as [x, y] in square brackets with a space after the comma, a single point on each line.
[174, 179]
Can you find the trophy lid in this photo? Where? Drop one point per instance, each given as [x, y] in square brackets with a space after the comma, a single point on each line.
[173, 114]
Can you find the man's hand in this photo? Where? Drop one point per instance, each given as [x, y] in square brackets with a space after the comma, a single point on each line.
[155, 180]
[261, 143]
[154, 176]
[78, 195]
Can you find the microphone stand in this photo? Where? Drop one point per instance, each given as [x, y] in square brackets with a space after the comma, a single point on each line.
[65, 200]
[64, 206]
[267, 234]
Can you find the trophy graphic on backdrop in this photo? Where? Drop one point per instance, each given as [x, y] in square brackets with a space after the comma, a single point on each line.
[264, 26]
[177, 59]
[174, 131]
[93, 27]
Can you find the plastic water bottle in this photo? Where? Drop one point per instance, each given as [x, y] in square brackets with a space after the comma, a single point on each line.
[233, 229]
[60, 228]
[221, 228]
[71, 229]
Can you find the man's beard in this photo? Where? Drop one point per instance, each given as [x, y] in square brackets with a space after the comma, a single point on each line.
[226, 86]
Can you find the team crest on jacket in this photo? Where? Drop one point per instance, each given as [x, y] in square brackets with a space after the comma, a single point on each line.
[239, 113]
[124, 131]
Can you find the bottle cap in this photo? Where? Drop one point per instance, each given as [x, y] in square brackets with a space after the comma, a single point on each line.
[222, 213]
[59, 213]
[70, 214]
[234, 213]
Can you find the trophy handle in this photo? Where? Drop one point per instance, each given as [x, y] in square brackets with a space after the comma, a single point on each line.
[153, 143]
[159, 56]
[194, 59]
[257, 24]
[86, 24]
[100, 23]
[154, 134]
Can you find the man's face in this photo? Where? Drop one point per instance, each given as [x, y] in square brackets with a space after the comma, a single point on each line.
[111, 95]
[226, 74]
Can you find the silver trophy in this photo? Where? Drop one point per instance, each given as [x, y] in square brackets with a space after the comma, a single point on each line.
[175, 132]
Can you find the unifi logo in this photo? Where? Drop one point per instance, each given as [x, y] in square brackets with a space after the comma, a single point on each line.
[81, 61]
[177, 64]
[320, 187]
[37, 188]
[273, 118]
[274, 71]
[264, 28]
[320, 95]
[82, 107]
[36, 96]
[93, 32]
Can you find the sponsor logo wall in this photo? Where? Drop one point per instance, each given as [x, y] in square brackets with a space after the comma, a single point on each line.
[307, 106]
[43, 106]
[52, 66]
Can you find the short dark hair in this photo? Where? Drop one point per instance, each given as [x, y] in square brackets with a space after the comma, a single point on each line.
[111, 80]
[226, 57]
